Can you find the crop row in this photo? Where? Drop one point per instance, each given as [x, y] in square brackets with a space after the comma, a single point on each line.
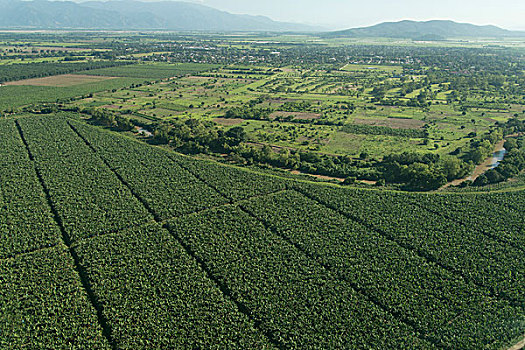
[44, 305]
[117, 152]
[25, 71]
[234, 183]
[491, 214]
[155, 296]
[26, 221]
[12, 148]
[88, 197]
[292, 297]
[13, 96]
[462, 249]
[442, 306]
[167, 181]
[168, 189]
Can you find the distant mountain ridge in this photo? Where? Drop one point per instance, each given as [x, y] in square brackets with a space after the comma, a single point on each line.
[431, 30]
[132, 15]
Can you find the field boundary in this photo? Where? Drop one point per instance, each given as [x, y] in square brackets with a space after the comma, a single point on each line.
[315, 259]
[451, 218]
[430, 259]
[243, 309]
[103, 322]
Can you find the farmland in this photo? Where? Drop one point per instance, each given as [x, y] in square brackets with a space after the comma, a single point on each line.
[266, 251]
[156, 192]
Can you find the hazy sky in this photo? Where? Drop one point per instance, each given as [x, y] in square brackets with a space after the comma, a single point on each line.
[339, 14]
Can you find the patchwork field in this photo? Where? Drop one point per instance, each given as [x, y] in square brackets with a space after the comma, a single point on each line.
[154, 249]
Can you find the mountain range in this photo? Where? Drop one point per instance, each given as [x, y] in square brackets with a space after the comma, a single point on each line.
[132, 15]
[185, 16]
[429, 30]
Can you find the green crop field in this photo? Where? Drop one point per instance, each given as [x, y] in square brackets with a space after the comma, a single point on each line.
[12, 96]
[167, 190]
[209, 255]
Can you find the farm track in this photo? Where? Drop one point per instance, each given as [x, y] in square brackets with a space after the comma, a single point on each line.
[227, 293]
[103, 322]
[429, 258]
[317, 260]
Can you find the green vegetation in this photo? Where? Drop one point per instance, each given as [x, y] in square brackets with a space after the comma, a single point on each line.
[155, 71]
[37, 70]
[44, 304]
[13, 97]
[120, 228]
[235, 232]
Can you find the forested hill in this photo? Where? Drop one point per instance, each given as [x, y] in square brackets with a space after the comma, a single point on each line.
[426, 30]
[166, 15]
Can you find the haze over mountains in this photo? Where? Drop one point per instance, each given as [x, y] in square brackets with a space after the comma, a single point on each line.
[129, 15]
[432, 30]
[184, 16]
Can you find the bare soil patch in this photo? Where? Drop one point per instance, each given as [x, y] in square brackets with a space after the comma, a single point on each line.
[296, 115]
[228, 122]
[394, 123]
[60, 80]
[520, 345]
[110, 106]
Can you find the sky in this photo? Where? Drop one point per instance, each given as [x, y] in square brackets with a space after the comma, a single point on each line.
[342, 14]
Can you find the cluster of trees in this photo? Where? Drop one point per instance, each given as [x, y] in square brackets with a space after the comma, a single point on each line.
[253, 113]
[512, 165]
[109, 119]
[481, 148]
[513, 126]
[194, 136]
[422, 172]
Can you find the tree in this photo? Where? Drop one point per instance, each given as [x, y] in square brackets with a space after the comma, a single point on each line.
[235, 136]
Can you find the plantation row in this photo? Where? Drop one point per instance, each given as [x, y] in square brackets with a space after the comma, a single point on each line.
[275, 323]
[44, 306]
[441, 305]
[88, 197]
[155, 296]
[461, 249]
[161, 179]
[13, 96]
[245, 260]
[26, 222]
[173, 303]
[484, 213]
[166, 188]
[294, 299]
